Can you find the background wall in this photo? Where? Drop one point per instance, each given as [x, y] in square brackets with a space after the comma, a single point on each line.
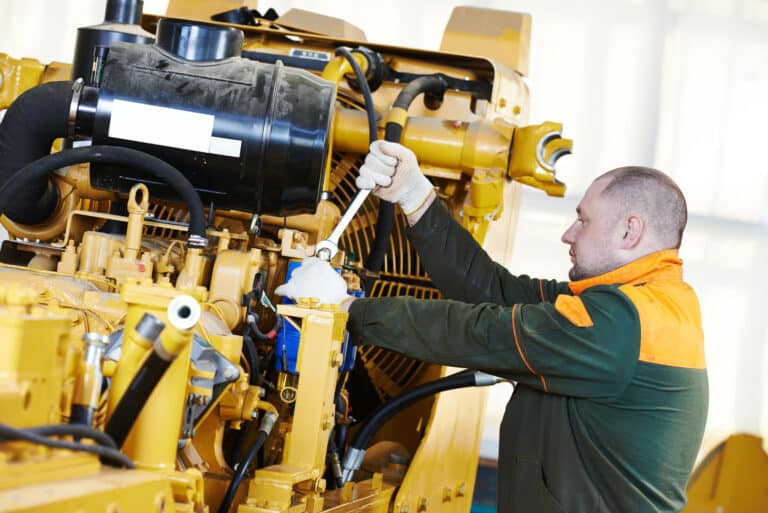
[675, 84]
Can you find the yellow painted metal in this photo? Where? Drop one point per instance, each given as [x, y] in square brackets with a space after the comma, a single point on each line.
[435, 482]
[321, 336]
[153, 440]
[231, 277]
[129, 263]
[502, 36]
[483, 203]
[35, 346]
[733, 478]
[532, 156]
[110, 491]
[16, 76]
[464, 146]
[196, 270]
[52, 227]
[334, 72]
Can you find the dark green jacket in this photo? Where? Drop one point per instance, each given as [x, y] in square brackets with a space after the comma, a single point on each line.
[611, 400]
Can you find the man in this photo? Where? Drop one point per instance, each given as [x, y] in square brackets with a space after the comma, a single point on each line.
[611, 400]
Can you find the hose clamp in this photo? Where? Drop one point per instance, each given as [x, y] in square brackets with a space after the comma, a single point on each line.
[196, 241]
[74, 105]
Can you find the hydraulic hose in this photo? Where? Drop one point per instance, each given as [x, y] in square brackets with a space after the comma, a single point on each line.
[385, 221]
[32, 122]
[183, 315]
[34, 436]
[366, 90]
[39, 169]
[141, 386]
[267, 422]
[354, 455]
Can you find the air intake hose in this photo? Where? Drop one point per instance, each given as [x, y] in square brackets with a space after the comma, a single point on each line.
[31, 124]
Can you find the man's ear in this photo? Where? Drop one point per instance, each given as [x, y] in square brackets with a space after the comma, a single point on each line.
[633, 232]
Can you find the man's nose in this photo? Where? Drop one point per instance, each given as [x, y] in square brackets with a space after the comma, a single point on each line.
[567, 237]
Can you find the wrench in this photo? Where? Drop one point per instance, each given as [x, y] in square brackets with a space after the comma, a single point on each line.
[327, 249]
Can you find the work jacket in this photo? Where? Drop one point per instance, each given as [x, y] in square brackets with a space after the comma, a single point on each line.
[611, 397]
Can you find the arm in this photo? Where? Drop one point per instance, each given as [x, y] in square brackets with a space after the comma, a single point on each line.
[457, 264]
[462, 270]
[535, 345]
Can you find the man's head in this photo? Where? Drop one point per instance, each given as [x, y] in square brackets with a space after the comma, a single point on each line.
[627, 213]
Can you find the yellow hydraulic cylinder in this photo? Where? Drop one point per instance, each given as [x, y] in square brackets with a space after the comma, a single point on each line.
[153, 441]
[437, 142]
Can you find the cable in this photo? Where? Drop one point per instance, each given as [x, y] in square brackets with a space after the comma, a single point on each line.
[11, 433]
[76, 430]
[115, 155]
[267, 422]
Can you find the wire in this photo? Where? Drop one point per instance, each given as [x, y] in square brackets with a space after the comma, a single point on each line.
[11, 433]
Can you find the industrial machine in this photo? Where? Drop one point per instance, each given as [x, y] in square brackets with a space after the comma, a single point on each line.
[155, 193]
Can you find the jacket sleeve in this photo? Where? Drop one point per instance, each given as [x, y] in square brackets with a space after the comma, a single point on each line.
[532, 344]
[463, 271]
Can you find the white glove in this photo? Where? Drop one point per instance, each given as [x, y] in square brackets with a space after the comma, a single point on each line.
[392, 171]
[315, 278]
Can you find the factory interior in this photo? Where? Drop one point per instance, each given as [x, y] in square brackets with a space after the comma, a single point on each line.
[166, 165]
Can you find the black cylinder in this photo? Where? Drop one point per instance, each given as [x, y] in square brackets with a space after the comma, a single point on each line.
[121, 20]
[127, 12]
[199, 42]
[249, 136]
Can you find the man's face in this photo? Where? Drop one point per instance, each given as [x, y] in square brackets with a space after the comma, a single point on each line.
[594, 238]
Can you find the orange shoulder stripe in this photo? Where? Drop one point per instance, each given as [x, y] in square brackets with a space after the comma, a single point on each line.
[573, 309]
[670, 323]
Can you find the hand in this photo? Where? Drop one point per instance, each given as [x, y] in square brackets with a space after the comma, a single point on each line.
[315, 278]
[393, 173]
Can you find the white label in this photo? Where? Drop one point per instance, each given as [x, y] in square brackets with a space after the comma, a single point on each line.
[164, 126]
[310, 54]
[224, 146]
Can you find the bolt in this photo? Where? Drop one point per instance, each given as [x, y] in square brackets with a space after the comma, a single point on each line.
[423, 502]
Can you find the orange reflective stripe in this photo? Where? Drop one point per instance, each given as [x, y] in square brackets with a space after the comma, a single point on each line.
[573, 309]
[541, 290]
[520, 352]
[670, 323]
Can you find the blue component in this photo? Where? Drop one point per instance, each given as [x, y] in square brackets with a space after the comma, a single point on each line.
[287, 348]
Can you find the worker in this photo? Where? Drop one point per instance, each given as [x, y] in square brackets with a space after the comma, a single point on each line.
[611, 398]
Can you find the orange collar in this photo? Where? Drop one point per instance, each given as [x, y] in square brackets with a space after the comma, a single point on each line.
[661, 265]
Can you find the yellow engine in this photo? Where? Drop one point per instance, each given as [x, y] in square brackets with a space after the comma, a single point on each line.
[157, 191]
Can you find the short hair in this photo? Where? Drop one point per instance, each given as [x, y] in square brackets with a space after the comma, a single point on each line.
[653, 195]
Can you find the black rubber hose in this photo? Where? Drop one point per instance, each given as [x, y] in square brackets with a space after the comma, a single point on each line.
[388, 410]
[116, 155]
[107, 453]
[136, 396]
[385, 220]
[76, 430]
[365, 89]
[242, 468]
[32, 122]
[252, 356]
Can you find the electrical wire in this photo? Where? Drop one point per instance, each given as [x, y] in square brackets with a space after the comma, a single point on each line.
[108, 453]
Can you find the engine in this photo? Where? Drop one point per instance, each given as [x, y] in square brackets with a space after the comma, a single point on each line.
[155, 193]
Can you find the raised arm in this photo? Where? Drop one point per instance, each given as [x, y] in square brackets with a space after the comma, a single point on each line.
[457, 264]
